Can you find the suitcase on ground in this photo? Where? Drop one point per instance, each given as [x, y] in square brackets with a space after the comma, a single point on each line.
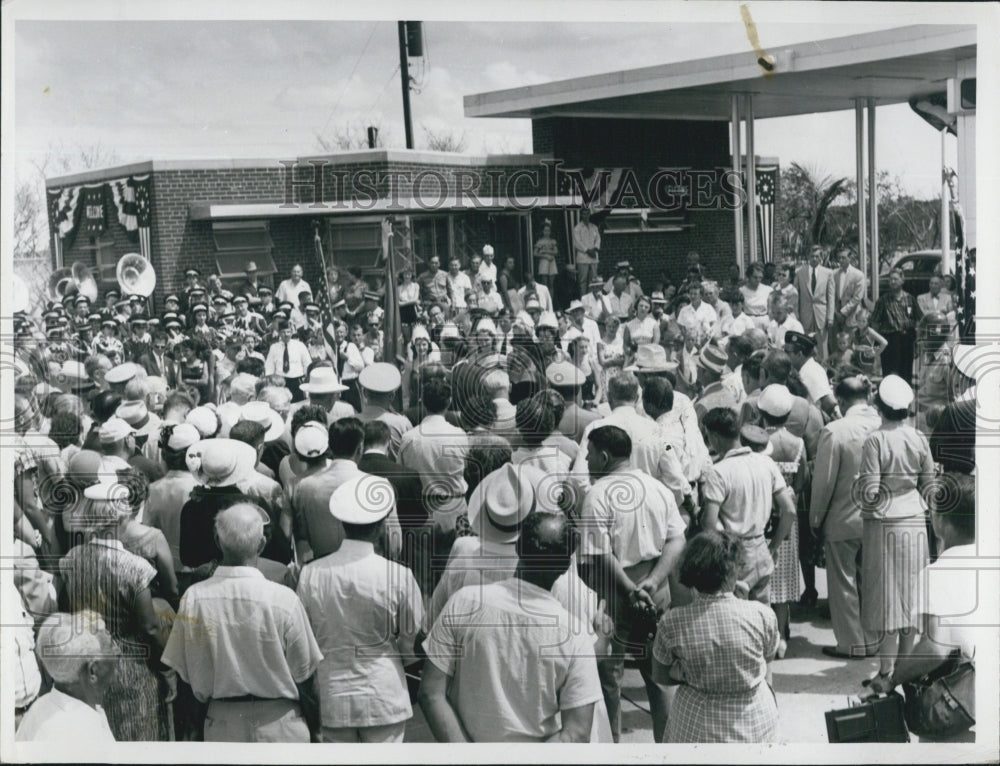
[876, 720]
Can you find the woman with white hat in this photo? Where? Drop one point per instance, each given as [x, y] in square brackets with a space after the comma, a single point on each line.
[789, 453]
[420, 351]
[896, 466]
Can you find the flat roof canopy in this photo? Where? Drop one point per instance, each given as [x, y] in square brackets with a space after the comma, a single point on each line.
[890, 66]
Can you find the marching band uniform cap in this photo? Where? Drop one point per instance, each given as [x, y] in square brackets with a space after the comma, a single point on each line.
[801, 340]
[565, 374]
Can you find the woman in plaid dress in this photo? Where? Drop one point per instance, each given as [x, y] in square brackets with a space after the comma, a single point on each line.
[717, 649]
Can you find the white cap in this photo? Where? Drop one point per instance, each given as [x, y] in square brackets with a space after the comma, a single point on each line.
[895, 392]
[183, 436]
[363, 500]
[548, 319]
[775, 400]
[205, 419]
[450, 330]
[487, 249]
[113, 430]
[121, 373]
[312, 439]
[486, 325]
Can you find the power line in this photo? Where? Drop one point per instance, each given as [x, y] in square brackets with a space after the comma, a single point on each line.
[350, 77]
[382, 91]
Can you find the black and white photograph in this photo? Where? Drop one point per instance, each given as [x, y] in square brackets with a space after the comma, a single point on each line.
[616, 381]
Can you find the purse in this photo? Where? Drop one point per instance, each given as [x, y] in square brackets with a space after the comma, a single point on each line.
[877, 720]
[942, 704]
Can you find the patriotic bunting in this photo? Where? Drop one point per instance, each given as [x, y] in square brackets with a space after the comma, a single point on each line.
[767, 178]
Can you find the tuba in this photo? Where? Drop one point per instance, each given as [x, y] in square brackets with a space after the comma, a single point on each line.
[61, 284]
[86, 285]
[135, 275]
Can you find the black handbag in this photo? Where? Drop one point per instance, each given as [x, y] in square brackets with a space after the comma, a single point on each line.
[942, 704]
[877, 720]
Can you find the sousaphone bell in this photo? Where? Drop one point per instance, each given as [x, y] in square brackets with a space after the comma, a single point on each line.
[86, 285]
[61, 284]
[135, 275]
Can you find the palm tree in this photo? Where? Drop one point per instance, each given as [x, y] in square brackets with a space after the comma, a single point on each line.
[805, 198]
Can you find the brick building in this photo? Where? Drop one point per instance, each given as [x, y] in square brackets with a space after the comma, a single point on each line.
[659, 191]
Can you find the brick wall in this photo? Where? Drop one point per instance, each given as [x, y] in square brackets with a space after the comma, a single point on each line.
[179, 243]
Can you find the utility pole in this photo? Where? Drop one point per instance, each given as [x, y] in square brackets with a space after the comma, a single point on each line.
[410, 44]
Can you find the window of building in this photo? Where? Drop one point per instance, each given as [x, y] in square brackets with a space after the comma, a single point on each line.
[355, 244]
[239, 242]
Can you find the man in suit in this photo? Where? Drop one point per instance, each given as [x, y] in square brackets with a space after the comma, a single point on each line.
[848, 290]
[156, 361]
[937, 300]
[835, 514]
[409, 493]
[814, 281]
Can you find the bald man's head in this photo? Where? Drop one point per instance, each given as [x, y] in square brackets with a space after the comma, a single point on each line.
[544, 548]
[240, 532]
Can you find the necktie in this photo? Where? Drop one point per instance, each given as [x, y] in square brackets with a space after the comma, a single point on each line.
[285, 361]
[813, 288]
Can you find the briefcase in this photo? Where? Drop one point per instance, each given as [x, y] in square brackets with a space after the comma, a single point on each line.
[877, 720]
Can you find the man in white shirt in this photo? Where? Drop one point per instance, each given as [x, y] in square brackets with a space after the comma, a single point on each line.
[619, 300]
[782, 322]
[587, 249]
[800, 349]
[540, 291]
[470, 690]
[290, 289]
[631, 537]
[436, 450]
[82, 660]
[697, 317]
[366, 612]
[582, 325]
[489, 299]
[593, 302]
[233, 616]
[290, 359]
[459, 285]
[487, 269]
[650, 451]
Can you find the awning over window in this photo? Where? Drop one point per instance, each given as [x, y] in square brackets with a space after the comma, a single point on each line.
[239, 242]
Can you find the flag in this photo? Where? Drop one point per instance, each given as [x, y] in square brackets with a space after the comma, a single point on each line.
[767, 178]
[63, 209]
[132, 200]
[965, 311]
[392, 325]
[323, 299]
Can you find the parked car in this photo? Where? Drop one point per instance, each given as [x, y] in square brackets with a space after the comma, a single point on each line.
[917, 270]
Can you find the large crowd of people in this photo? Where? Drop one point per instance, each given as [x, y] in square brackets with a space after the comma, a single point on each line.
[237, 520]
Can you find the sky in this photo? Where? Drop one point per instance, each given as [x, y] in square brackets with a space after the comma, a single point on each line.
[266, 89]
